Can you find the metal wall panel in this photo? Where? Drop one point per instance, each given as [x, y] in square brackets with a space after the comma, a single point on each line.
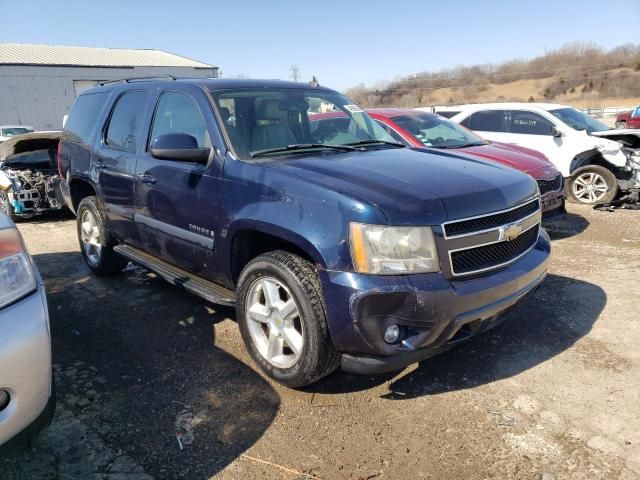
[41, 96]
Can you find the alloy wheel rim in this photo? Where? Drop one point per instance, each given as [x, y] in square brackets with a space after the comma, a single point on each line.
[590, 187]
[274, 323]
[90, 237]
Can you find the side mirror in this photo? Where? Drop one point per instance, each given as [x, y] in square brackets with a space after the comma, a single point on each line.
[555, 132]
[179, 147]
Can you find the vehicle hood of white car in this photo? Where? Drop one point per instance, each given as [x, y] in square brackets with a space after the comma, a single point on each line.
[635, 132]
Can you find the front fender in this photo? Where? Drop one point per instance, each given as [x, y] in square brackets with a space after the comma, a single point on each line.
[277, 231]
[311, 216]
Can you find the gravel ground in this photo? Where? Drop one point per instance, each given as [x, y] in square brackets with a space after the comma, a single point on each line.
[552, 393]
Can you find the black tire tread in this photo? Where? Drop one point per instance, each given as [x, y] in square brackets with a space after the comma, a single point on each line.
[605, 172]
[110, 262]
[305, 270]
[307, 276]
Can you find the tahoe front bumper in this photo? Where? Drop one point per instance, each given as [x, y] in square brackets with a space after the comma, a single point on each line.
[433, 312]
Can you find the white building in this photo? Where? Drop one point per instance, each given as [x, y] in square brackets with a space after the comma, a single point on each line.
[38, 83]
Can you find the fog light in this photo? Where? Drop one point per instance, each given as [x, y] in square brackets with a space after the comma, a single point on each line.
[4, 399]
[392, 333]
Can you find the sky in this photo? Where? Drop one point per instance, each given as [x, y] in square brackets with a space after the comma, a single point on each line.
[343, 43]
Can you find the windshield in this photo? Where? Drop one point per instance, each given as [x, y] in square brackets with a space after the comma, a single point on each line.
[437, 132]
[286, 121]
[13, 131]
[579, 120]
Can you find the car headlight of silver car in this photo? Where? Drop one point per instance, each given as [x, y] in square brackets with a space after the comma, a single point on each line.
[386, 250]
[17, 277]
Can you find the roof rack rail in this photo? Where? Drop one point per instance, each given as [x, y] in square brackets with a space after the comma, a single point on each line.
[138, 79]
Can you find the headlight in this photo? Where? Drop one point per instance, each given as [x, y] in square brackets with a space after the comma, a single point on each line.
[380, 249]
[17, 278]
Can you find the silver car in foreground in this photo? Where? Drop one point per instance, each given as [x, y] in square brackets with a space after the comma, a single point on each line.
[26, 387]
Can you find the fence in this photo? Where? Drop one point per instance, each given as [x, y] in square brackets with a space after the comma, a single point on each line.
[606, 111]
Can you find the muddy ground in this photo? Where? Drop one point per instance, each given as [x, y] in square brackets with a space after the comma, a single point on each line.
[552, 393]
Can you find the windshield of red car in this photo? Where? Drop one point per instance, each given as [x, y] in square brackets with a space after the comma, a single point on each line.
[437, 132]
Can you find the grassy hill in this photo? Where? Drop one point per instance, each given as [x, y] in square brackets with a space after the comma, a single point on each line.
[580, 74]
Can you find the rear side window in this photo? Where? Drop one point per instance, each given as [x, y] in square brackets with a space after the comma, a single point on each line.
[178, 113]
[83, 117]
[125, 125]
[528, 123]
[486, 121]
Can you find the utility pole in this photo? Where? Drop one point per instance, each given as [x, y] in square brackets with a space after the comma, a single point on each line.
[294, 73]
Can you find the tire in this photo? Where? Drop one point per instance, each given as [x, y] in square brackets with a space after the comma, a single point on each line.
[621, 124]
[6, 207]
[96, 243]
[286, 277]
[603, 183]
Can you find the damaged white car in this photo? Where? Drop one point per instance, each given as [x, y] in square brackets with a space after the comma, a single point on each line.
[29, 180]
[596, 161]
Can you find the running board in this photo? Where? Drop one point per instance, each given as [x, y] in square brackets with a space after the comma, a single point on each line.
[210, 291]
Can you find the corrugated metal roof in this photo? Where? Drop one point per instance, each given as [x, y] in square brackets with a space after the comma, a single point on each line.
[29, 54]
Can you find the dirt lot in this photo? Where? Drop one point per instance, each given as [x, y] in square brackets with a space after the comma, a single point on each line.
[553, 393]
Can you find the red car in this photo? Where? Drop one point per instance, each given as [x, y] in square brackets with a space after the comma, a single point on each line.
[629, 119]
[424, 130]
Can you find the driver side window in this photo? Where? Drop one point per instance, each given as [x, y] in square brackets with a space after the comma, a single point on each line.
[177, 112]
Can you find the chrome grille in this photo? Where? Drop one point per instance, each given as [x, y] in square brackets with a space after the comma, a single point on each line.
[491, 241]
[547, 186]
[493, 255]
[485, 222]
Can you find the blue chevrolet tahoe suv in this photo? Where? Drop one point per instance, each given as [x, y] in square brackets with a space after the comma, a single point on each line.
[335, 245]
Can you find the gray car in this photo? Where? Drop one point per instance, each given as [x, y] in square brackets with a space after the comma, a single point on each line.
[26, 386]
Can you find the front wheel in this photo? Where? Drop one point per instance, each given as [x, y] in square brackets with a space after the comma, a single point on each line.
[95, 240]
[621, 124]
[281, 315]
[592, 185]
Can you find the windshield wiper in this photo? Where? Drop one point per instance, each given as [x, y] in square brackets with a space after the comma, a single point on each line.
[373, 141]
[301, 146]
[464, 145]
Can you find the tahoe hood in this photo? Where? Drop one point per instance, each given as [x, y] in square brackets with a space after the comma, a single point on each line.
[415, 187]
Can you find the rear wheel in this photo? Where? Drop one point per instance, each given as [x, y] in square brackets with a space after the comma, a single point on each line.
[282, 320]
[96, 243]
[592, 185]
[621, 124]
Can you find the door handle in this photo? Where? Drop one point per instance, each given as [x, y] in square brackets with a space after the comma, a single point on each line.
[100, 165]
[147, 179]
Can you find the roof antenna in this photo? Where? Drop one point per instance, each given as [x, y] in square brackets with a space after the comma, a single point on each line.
[314, 82]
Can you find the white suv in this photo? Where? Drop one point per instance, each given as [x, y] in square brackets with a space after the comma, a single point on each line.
[596, 160]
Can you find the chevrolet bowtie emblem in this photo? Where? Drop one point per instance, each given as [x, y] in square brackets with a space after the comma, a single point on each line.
[511, 231]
